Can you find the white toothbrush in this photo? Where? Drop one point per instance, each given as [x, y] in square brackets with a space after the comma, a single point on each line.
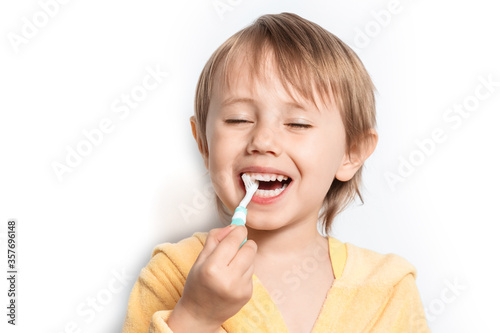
[240, 213]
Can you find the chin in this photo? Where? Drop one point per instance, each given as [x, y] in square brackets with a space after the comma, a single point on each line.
[264, 226]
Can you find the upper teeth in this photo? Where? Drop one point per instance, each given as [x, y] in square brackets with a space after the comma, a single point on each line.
[267, 177]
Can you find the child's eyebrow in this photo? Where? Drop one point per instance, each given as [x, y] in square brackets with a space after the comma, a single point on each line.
[294, 105]
[231, 101]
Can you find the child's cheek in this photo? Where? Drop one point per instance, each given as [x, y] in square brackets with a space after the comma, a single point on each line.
[222, 173]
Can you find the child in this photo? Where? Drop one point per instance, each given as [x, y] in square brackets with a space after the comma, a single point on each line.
[292, 106]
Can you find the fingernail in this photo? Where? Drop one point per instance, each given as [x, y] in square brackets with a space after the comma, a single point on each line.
[231, 226]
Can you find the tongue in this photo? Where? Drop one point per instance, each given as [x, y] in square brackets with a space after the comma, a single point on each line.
[269, 186]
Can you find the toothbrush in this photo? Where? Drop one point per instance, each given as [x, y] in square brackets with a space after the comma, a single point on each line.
[240, 213]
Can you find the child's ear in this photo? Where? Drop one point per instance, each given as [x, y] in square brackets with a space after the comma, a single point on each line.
[360, 151]
[194, 130]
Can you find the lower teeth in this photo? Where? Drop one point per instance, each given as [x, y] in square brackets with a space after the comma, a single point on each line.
[270, 193]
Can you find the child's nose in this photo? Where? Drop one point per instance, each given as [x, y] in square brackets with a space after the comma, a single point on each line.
[264, 140]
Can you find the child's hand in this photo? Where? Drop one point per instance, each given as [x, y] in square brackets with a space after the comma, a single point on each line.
[220, 281]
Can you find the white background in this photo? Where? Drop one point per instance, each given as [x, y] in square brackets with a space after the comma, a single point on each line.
[103, 219]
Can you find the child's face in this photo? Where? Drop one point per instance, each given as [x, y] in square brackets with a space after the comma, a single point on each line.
[256, 127]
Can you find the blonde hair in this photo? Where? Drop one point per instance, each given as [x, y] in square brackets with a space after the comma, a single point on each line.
[308, 58]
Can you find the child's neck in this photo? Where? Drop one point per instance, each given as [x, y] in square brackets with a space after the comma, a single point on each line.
[289, 242]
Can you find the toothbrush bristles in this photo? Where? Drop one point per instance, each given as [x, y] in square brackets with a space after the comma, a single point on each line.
[250, 187]
[249, 184]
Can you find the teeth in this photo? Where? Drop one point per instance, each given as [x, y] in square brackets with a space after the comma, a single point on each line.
[270, 194]
[267, 177]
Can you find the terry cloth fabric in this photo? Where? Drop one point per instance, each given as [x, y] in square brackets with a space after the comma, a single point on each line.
[371, 292]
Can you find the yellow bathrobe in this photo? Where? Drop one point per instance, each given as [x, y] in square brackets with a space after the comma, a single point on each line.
[371, 293]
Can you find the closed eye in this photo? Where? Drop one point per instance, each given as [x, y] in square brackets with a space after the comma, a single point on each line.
[292, 125]
[236, 121]
[296, 125]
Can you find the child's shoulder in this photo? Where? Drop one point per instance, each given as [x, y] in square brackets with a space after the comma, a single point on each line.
[185, 248]
[367, 267]
[180, 255]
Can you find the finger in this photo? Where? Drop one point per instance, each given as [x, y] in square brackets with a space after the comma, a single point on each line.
[213, 239]
[245, 257]
[248, 275]
[228, 247]
[224, 232]
[251, 269]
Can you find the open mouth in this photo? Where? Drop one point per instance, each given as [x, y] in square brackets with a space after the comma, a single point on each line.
[270, 184]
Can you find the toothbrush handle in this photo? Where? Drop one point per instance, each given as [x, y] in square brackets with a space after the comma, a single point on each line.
[240, 218]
